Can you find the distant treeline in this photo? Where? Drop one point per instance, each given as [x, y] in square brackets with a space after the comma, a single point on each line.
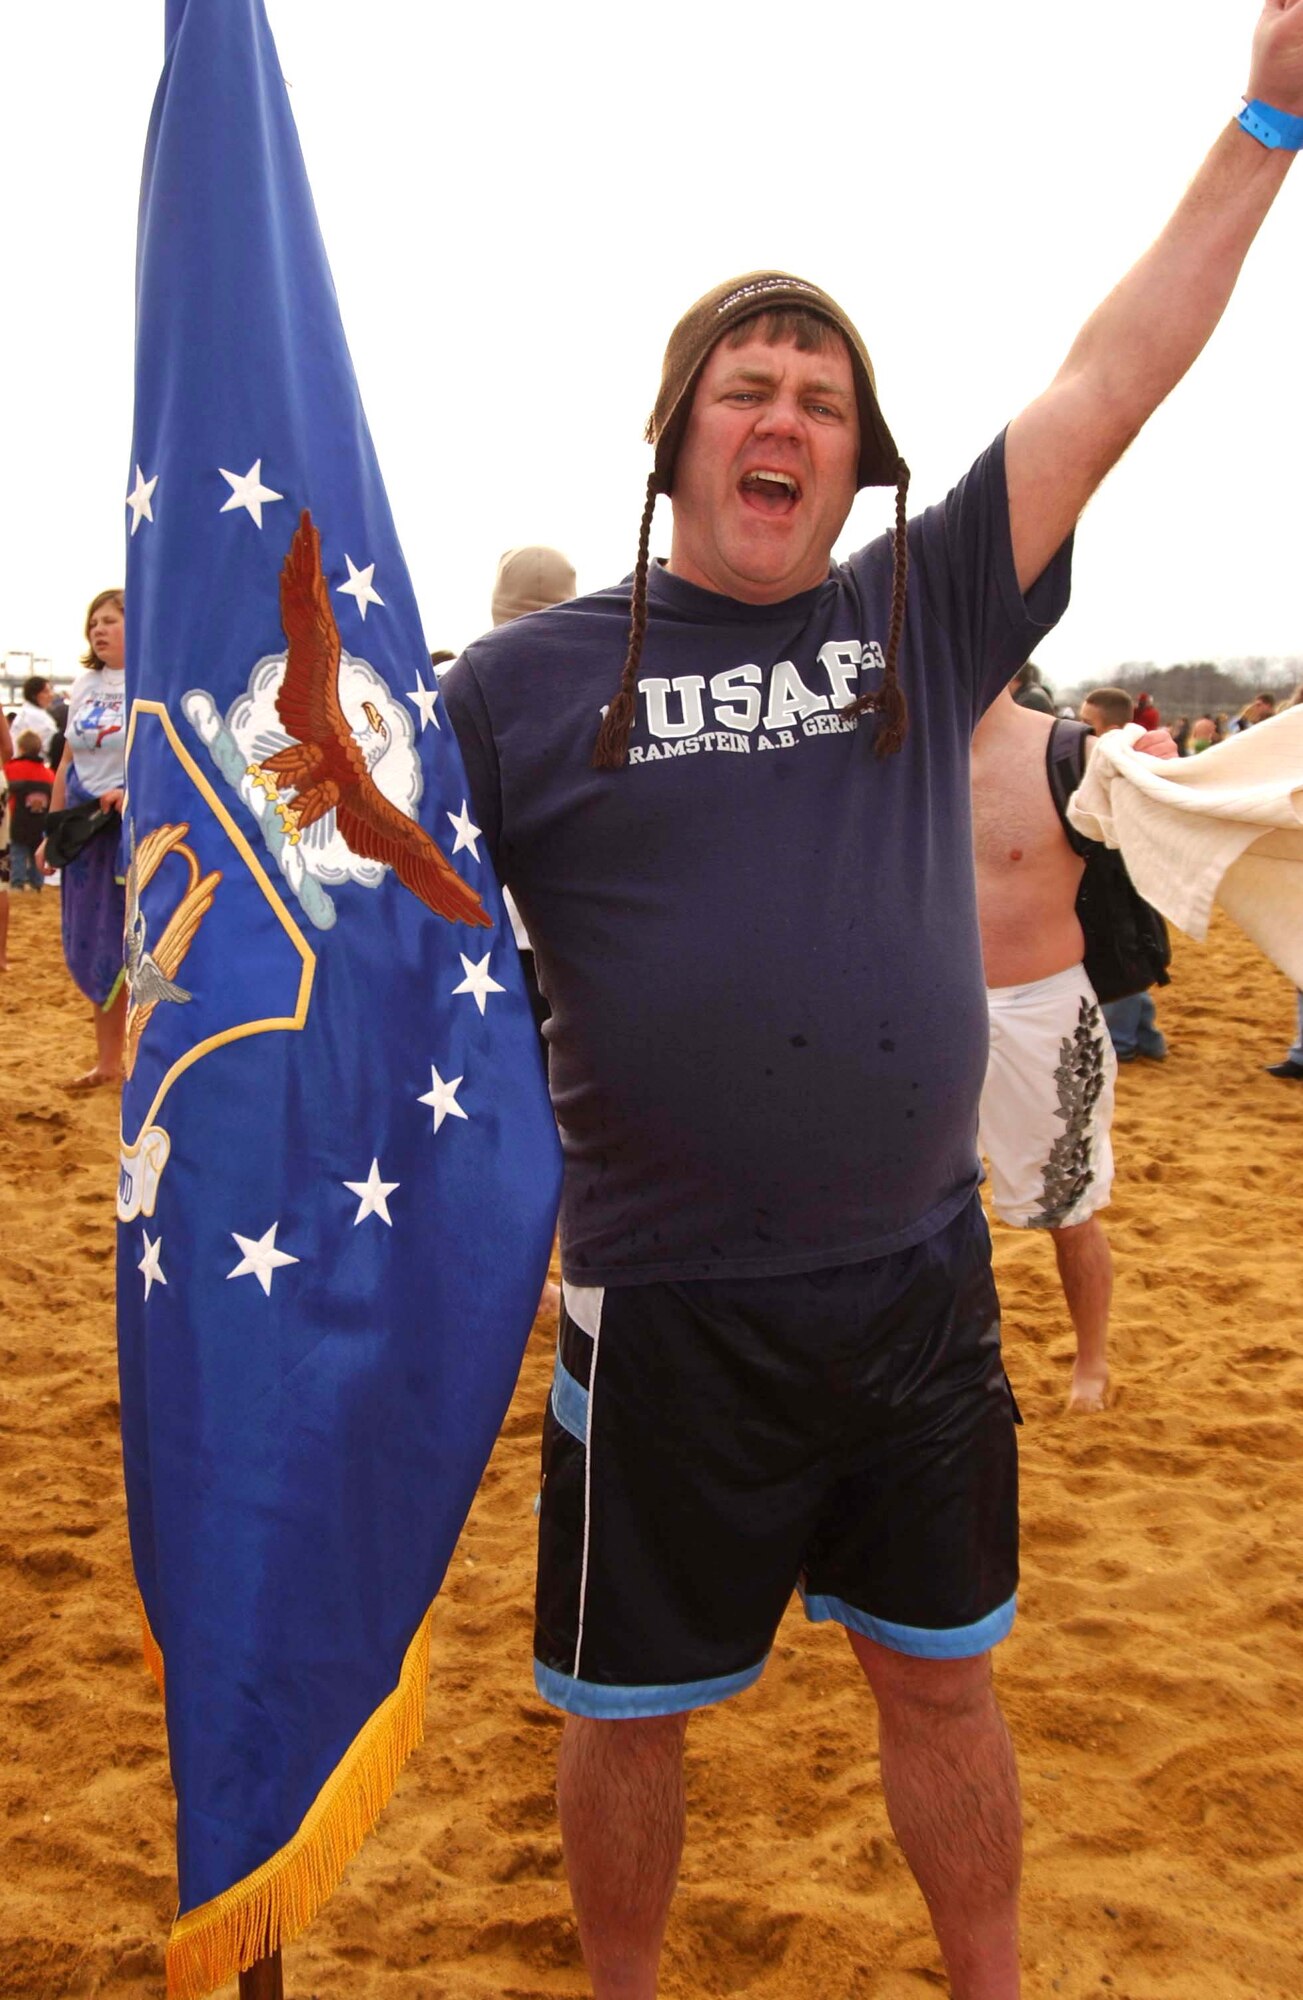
[1202, 687]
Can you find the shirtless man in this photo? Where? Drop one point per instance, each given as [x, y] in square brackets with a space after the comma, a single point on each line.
[1047, 1102]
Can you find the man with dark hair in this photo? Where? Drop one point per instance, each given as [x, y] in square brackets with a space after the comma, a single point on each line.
[1107, 708]
[1258, 710]
[35, 713]
[753, 907]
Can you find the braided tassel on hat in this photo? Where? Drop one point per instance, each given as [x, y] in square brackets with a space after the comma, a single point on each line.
[611, 750]
[612, 747]
[889, 700]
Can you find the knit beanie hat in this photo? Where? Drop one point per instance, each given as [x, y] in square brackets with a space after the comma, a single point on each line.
[704, 325]
[694, 338]
[529, 580]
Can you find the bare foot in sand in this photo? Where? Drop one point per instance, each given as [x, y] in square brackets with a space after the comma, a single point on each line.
[1089, 1392]
[94, 1079]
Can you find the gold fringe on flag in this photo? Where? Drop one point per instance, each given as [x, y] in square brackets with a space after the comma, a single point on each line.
[253, 1918]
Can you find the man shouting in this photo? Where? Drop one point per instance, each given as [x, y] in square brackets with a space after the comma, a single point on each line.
[731, 797]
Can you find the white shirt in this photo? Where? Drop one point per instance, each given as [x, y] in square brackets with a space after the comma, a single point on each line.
[97, 734]
[39, 720]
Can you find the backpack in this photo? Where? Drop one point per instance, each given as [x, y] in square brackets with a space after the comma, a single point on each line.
[1127, 946]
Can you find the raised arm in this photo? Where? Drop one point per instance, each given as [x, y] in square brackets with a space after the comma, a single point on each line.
[1135, 348]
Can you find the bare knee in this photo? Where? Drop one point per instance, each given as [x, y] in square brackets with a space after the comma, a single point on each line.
[1077, 1239]
[932, 1691]
[588, 1741]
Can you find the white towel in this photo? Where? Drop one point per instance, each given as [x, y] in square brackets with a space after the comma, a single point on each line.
[1223, 827]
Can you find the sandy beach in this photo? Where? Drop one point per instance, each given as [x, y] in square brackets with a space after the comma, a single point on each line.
[1153, 1683]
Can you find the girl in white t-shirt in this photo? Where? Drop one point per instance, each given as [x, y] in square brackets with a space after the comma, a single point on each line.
[93, 765]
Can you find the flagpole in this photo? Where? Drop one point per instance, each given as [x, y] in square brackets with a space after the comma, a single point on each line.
[263, 1980]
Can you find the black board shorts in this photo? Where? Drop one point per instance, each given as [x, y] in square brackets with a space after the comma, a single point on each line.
[710, 1446]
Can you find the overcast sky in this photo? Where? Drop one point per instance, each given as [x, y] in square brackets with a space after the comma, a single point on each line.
[519, 201]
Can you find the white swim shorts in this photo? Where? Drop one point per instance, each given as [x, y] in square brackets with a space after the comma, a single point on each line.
[1047, 1103]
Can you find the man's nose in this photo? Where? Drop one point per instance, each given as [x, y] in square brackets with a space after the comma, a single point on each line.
[780, 417]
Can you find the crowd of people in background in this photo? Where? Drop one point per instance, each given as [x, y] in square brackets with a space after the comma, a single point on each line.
[1133, 1022]
[1191, 735]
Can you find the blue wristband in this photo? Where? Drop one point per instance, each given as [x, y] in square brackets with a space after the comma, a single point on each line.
[1271, 128]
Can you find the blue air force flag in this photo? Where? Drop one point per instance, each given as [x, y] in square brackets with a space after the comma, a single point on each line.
[338, 1169]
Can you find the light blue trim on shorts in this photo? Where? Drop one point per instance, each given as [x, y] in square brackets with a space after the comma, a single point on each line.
[954, 1642]
[604, 1704]
[569, 1402]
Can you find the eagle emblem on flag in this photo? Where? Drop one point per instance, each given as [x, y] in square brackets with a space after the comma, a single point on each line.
[328, 766]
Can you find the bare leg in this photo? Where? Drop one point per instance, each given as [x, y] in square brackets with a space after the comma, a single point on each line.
[1086, 1272]
[263, 1981]
[549, 1302]
[951, 1786]
[620, 1795]
[110, 1034]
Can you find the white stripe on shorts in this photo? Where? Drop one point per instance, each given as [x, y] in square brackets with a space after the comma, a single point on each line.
[584, 1305]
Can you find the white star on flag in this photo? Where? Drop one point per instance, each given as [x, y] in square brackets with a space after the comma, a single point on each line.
[149, 1267]
[443, 1097]
[248, 491]
[477, 980]
[359, 586]
[260, 1259]
[425, 698]
[138, 499]
[467, 832]
[372, 1194]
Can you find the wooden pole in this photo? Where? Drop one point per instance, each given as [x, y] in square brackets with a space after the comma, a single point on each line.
[263, 1980]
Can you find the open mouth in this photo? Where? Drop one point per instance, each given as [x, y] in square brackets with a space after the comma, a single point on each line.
[770, 492]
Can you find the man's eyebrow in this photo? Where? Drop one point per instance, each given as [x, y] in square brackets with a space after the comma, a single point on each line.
[769, 375]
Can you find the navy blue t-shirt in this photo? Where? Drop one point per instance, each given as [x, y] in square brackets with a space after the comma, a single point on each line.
[759, 940]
